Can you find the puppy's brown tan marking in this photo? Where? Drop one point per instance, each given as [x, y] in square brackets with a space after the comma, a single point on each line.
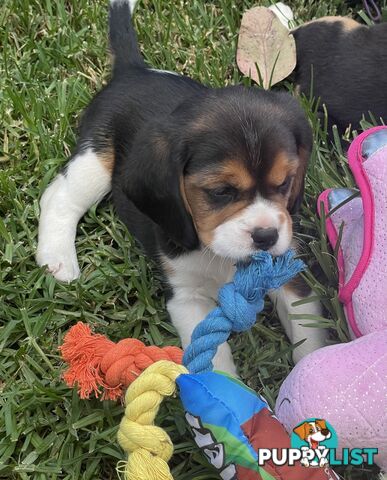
[282, 167]
[298, 286]
[107, 158]
[347, 23]
[205, 217]
[235, 172]
[184, 195]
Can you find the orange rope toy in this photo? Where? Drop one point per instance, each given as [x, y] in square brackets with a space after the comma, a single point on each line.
[96, 363]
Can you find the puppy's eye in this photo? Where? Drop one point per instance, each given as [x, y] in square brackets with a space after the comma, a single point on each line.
[284, 187]
[225, 191]
[223, 194]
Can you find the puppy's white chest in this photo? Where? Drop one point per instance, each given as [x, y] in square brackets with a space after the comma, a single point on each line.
[201, 271]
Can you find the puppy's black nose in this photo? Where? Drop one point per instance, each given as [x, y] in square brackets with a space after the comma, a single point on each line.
[325, 432]
[264, 238]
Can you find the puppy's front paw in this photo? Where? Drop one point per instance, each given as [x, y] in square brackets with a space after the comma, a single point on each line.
[323, 462]
[61, 261]
[305, 462]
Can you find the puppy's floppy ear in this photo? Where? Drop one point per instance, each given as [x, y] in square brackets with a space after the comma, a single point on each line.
[301, 430]
[303, 136]
[297, 193]
[157, 161]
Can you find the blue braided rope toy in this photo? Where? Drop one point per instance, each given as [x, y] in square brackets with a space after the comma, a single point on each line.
[239, 302]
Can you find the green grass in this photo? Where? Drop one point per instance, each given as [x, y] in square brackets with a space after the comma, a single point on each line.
[53, 59]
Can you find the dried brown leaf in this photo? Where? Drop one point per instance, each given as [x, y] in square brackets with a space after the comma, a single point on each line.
[266, 49]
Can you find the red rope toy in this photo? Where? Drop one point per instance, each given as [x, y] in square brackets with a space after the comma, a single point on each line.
[95, 362]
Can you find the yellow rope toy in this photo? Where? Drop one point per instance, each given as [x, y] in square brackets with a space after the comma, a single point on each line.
[149, 447]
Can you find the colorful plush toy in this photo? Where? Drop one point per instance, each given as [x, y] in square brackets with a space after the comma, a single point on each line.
[229, 421]
[347, 384]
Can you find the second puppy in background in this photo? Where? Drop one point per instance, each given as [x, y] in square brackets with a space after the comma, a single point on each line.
[342, 63]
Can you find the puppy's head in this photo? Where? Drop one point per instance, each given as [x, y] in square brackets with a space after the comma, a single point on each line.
[225, 171]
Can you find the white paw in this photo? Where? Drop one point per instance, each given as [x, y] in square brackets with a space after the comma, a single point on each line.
[61, 261]
[305, 462]
[323, 462]
[223, 360]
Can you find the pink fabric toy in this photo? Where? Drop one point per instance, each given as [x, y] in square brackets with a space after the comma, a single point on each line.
[346, 384]
[362, 256]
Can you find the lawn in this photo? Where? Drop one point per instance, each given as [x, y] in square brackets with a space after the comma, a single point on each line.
[54, 57]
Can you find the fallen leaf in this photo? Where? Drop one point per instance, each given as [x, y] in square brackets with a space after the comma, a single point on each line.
[266, 49]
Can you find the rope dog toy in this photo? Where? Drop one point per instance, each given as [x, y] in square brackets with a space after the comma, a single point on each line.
[239, 303]
[149, 447]
[98, 365]
[230, 423]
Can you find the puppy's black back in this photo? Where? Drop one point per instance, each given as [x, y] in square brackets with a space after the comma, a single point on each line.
[346, 67]
[136, 93]
[134, 97]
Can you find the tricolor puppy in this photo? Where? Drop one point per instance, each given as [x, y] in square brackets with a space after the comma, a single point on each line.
[202, 177]
[313, 433]
[343, 64]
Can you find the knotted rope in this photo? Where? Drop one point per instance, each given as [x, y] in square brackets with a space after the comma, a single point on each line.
[149, 447]
[239, 303]
[95, 362]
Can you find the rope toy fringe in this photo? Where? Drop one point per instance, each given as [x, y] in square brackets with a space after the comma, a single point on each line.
[239, 303]
[95, 362]
[149, 447]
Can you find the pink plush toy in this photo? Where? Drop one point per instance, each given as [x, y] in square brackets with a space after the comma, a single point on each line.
[362, 256]
[346, 384]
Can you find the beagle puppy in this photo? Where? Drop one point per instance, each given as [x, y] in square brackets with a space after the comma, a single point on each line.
[202, 178]
[343, 64]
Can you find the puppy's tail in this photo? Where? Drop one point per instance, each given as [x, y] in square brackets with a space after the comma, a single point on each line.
[123, 39]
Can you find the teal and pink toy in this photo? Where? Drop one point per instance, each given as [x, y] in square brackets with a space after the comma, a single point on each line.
[347, 384]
